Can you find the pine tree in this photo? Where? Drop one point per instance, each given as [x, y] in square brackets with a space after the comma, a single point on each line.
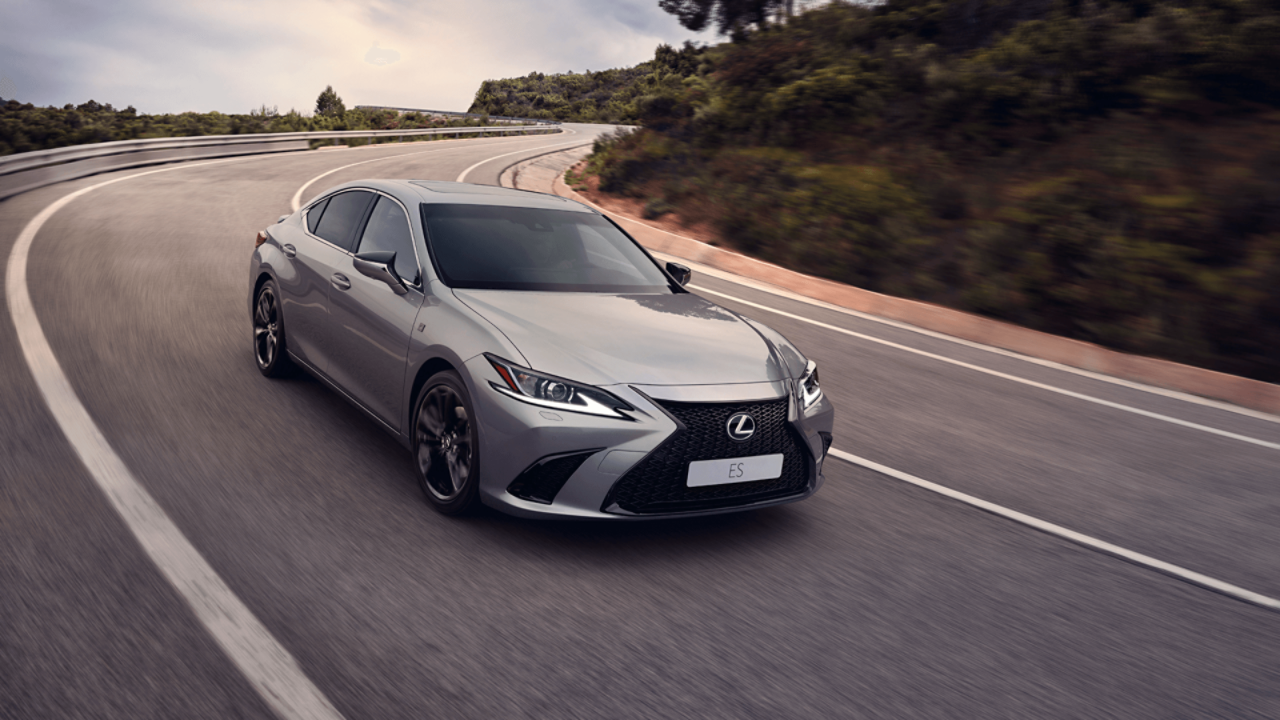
[732, 17]
[329, 103]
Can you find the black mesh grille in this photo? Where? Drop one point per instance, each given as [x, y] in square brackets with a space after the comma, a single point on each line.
[657, 484]
[542, 480]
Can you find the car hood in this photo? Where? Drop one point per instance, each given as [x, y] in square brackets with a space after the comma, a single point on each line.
[677, 339]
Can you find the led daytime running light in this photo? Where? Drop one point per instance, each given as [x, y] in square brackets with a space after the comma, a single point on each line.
[536, 389]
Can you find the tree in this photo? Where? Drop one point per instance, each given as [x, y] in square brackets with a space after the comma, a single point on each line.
[329, 103]
[731, 16]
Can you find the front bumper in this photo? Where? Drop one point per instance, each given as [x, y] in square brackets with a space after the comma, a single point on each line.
[535, 445]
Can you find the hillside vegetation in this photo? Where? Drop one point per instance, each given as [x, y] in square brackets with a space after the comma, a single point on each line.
[1104, 170]
[25, 127]
[606, 96]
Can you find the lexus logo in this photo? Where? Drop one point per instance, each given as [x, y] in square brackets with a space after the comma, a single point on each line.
[741, 427]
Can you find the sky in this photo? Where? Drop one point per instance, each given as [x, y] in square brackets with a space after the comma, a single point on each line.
[239, 55]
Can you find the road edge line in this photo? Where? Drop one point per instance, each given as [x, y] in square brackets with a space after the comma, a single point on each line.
[1005, 376]
[462, 176]
[264, 662]
[296, 202]
[1087, 541]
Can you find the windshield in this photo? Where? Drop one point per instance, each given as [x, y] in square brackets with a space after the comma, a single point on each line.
[503, 248]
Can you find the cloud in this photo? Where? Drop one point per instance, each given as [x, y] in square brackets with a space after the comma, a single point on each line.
[381, 56]
[236, 55]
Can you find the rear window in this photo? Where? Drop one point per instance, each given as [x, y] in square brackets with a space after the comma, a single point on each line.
[313, 215]
[504, 248]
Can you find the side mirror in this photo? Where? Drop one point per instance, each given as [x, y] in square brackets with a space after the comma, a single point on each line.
[282, 219]
[381, 265]
[680, 273]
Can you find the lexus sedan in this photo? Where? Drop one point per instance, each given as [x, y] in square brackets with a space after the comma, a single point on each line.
[533, 357]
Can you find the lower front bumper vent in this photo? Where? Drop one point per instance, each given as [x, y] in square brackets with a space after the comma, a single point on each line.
[543, 479]
[658, 483]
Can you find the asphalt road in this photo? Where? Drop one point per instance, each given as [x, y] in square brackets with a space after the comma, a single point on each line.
[873, 599]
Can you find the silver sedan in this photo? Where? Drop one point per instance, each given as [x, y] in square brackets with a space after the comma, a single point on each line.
[533, 357]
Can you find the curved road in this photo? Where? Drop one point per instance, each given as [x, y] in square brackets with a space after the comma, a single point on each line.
[873, 599]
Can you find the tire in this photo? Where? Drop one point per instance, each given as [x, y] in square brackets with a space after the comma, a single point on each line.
[269, 349]
[446, 450]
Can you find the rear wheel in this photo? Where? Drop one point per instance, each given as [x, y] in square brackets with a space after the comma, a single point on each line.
[444, 445]
[268, 333]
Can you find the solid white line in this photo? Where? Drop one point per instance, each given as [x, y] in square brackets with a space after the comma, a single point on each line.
[1130, 384]
[1075, 537]
[296, 202]
[462, 176]
[1004, 376]
[270, 668]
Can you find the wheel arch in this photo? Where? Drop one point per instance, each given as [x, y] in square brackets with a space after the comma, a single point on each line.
[263, 277]
[426, 370]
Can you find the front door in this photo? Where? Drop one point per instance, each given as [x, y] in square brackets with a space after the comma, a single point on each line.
[370, 324]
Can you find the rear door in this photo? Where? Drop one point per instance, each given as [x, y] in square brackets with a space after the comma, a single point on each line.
[330, 234]
[370, 323]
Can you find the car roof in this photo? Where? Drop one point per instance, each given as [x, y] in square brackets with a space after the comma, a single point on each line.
[439, 191]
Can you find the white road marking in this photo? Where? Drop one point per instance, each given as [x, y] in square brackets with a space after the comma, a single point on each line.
[462, 176]
[1005, 376]
[296, 202]
[270, 668]
[765, 287]
[1090, 542]
[1130, 384]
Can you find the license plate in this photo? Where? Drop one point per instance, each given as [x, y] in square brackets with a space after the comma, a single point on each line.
[703, 473]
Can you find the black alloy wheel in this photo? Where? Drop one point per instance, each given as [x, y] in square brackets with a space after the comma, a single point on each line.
[268, 333]
[444, 445]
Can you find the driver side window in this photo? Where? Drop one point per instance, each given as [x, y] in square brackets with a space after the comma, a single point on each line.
[388, 230]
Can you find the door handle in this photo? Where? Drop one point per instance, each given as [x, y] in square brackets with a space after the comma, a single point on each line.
[340, 281]
[290, 250]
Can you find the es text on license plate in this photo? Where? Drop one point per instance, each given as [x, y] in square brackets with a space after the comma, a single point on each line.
[703, 473]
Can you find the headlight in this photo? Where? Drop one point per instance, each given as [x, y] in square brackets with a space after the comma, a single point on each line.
[556, 393]
[810, 388]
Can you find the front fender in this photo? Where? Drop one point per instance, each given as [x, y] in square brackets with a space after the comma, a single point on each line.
[447, 330]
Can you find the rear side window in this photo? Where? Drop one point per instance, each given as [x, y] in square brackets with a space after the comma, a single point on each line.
[343, 213]
[388, 230]
[313, 215]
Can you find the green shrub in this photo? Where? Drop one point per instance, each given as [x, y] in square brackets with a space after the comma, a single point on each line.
[621, 96]
[25, 127]
[656, 208]
[1108, 170]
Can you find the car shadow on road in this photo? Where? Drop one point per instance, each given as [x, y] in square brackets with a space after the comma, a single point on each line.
[664, 540]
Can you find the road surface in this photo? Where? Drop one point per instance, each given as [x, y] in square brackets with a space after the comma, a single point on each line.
[873, 599]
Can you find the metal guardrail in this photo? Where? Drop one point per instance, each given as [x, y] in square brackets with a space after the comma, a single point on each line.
[28, 171]
[454, 113]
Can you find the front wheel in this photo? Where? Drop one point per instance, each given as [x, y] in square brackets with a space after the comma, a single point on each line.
[444, 445]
